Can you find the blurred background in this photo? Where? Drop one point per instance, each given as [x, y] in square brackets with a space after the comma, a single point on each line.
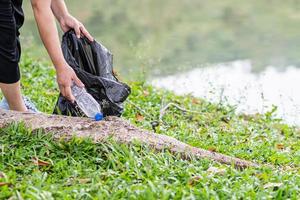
[158, 37]
[239, 49]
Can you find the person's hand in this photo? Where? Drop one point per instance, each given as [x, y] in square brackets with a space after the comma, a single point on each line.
[69, 22]
[65, 78]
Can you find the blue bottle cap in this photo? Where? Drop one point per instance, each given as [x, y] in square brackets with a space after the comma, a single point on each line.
[98, 116]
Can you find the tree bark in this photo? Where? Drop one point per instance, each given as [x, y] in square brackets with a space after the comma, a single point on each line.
[116, 128]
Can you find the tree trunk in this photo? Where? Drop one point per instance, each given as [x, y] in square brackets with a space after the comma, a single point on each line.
[116, 128]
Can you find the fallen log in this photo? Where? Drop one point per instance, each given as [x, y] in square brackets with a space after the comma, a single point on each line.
[116, 128]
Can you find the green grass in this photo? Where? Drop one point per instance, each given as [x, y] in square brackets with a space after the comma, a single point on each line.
[79, 169]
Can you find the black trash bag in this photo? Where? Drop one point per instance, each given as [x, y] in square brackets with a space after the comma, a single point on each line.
[93, 64]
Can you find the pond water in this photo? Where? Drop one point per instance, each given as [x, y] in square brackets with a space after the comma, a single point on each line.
[235, 83]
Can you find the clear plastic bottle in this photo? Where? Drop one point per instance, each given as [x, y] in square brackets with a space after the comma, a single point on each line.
[89, 106]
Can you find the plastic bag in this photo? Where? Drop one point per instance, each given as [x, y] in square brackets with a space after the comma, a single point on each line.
[93, 64]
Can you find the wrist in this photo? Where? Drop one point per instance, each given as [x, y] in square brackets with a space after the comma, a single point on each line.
[60, 66]
[62, 18]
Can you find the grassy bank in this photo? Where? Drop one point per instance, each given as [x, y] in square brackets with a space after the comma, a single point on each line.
[36, 167]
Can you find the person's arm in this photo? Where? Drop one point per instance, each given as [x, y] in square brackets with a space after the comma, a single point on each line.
[49, 35]
[67, 21]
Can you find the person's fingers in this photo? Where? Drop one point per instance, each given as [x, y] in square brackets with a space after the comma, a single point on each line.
[77, 30]
[69, 94]
[78, 81]
[62, 90]
[86, 33]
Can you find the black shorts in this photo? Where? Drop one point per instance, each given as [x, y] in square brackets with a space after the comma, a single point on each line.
[11, 20]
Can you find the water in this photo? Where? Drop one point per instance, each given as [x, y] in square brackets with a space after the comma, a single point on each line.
[235, 83]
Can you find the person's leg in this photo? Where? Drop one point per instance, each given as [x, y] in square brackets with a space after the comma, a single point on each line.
[11, 19]
[12, 93]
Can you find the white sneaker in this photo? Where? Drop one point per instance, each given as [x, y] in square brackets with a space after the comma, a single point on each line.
[4, 104]
[28, 103]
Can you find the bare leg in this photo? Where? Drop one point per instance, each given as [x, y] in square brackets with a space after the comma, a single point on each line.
[12, 93]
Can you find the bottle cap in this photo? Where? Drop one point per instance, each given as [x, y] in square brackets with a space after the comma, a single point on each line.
[98, 116]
